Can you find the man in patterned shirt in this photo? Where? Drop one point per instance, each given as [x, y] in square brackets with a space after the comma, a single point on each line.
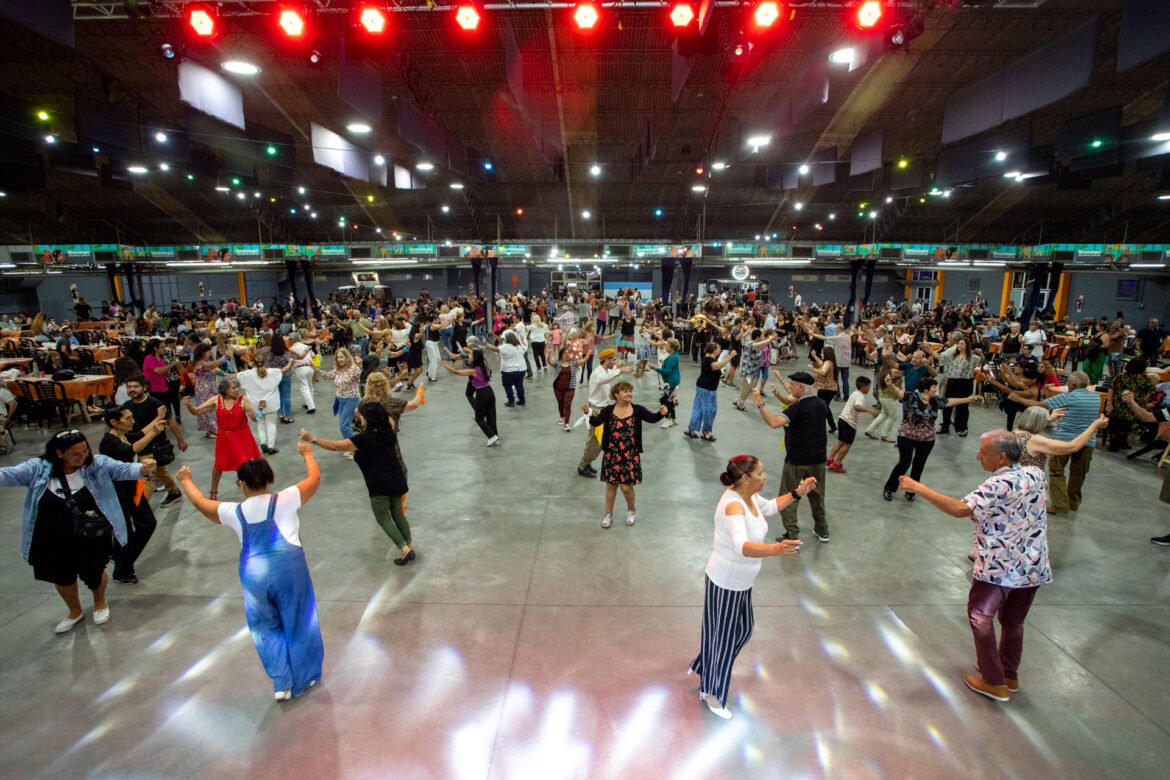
[1011, 557]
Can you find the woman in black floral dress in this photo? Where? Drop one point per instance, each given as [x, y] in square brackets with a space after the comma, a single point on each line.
[621, 443]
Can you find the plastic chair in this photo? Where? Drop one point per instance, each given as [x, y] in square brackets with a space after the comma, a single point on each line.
[58, 400]
[30, 401]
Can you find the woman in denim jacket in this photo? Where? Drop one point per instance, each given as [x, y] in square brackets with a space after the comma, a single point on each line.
[69, 473]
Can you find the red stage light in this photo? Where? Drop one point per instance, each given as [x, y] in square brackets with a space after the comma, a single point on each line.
[202, 22]
[682, 15]
[868, 13]
[373, 20]
[519, 212]
[467, 17]
[766, 13]
[291, 21]
[585, 16]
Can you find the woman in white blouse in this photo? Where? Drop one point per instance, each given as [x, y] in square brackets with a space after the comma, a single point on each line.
[740, 528]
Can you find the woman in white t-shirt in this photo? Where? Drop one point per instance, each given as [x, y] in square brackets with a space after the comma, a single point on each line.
[278, 593]
[537, 335]
[740, 529]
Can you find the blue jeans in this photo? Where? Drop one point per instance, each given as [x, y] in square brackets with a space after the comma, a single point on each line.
[345, 409]
[703, 411]
[445, 335]
[513, 379]
[285, 395]
[843, 389]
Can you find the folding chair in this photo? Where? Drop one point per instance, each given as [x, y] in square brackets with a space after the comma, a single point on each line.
[56, 398]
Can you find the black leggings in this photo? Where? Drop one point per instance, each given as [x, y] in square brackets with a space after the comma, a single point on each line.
[1011, 409]
[538, 355]
[912, 455]
[958, 388]
[140, 524]
[485, 411]
[827, 396]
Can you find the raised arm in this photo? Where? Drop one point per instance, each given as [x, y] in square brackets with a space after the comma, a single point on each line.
[344, 445]
[203, 408]
[205, 506]
[308, 486]
[894, 388]
[1043, 445]
[954, 507]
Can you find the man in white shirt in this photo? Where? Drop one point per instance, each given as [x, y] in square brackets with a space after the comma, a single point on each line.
[599, 386]
[797, 302]
[1034, 338]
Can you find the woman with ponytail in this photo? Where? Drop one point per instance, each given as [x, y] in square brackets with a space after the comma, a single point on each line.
[740, 529]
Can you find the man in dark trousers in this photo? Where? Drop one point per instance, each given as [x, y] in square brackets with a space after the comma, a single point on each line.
[805, 447]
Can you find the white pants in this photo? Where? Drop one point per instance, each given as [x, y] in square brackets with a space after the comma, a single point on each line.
[303, 379]
[432, 360]
[266, 426]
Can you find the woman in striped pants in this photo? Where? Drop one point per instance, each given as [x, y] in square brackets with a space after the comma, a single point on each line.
[740, 528]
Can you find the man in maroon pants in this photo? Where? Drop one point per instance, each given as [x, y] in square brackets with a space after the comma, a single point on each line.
[1011, 557]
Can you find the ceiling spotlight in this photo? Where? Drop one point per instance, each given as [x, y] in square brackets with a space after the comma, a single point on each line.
[240, 195]
[1160, 137]
[271, 150]
[766, 13]
[698, 188]
[1164, 197]
[519, 212]
[446, 208]
[718, 166]
[585, 214]
[369, 198]
[314, 56]
[873, 215]
[1000, 156]
[1096, 143]
[160, 137]
[842, 56]
[467, 17]
[699, 170]
[97, 150]
[255, 194]
[1011, 174]
[378, 231]
[360, 128]
[798, 205]
[373, 20]
[341, 223]
[240, 68]
[291, 21]
[221, 188]
[313, 215]
[595, 169]
[301, 190]
[139, 169]
[455, 185]
[682, 15]
[889, 199]
[202, 21]
[756, 141]
[308, 207]
[818, 226]
[585, 15]
[803, 170]
[425, 166]
[832, 216]
[43, 116]
[163, 167]
[167, 51]
[868, 14]
[946, 193]
[487, 165]
[903, 163]
[379, 159]
[50, 139]
[658, 212]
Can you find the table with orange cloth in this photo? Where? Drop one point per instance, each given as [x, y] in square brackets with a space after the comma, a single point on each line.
[80, 388]
[91, 325]
[7, 363]
[103, 353]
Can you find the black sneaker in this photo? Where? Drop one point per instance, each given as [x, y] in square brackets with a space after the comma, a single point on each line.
[171, 498]
[311, 411]
[944, 431]
[888, 495]
[1162, 540]
[272, 450]
[786, 538]
[126, 579]
[510, 404]
[587, 472]
[911, 496]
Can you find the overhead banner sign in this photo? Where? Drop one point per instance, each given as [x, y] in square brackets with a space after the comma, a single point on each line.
[664, 250]
[739, 249]
[404, 250]
[336, 250]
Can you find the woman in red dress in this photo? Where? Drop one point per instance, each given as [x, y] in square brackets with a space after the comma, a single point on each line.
[234, 444]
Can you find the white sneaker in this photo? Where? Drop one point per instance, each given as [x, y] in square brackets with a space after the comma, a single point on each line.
[607, 521]
[666, 424]
[630, 518]
[65, 625]
[347, 455]
[101, 616]
[493, 441]
[284, 695]
[717, 709]
[398, 387]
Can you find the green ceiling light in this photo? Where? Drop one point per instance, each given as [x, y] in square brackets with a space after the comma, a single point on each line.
[272, 150]
[43, 116]
[903, 163]
[236, 182]
[190, 177]
[1096, 144]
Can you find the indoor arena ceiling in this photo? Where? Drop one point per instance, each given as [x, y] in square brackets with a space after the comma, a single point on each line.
[600, 98]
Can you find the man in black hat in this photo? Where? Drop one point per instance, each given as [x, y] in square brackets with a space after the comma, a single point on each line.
[805, 446]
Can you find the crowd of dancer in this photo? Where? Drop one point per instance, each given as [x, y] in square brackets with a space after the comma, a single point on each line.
[911, 366]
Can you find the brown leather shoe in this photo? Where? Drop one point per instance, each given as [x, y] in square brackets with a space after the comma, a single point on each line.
[1012, 685]
[975, 682]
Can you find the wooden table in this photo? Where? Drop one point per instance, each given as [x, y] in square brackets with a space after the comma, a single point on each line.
[79, 388]
[7, 363]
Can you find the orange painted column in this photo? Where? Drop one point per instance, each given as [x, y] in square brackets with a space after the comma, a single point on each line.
[243, 289]
[938, 287]
[1007, 292]
[909, 278]
[1062, 291]
[118, 286]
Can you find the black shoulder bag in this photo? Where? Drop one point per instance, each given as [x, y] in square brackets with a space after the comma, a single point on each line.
[87, 523]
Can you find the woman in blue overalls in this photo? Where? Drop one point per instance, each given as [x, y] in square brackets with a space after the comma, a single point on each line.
[278, 594]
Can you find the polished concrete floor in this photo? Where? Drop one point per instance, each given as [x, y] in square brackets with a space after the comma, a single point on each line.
[526, 641]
